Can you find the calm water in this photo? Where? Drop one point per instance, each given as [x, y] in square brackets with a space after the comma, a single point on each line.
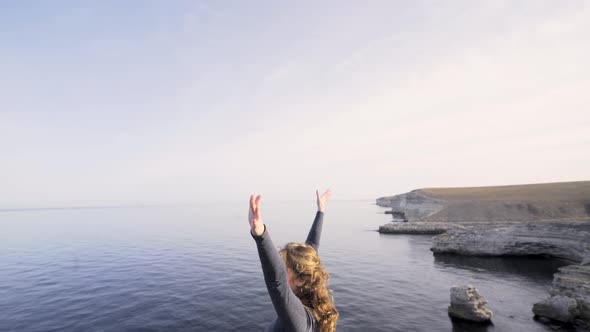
[196, 269]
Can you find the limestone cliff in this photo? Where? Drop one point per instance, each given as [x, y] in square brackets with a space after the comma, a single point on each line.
[561, 239]
[521, 203]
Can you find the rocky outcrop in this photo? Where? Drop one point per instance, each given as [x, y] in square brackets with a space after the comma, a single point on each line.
[570, 296]
[566, 240]
[417, 228]
[468, 304]
[413, 205]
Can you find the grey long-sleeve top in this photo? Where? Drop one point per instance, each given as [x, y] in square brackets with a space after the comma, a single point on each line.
[292, 314]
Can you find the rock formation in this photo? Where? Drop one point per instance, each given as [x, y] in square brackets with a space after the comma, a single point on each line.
[414, 205]
[559, 308]
[417, 228]
[570, 296]
[568, 240]
[468, 304]
[570, 301]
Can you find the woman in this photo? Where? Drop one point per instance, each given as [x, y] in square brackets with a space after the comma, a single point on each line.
[295, 279]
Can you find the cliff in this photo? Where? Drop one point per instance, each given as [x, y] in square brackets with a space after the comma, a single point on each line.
[568, 240]
[518, 203]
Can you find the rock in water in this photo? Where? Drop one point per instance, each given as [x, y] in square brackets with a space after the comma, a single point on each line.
[570, 296]
[574, 281]
[560, 308]
[416, 228]
[468, 304]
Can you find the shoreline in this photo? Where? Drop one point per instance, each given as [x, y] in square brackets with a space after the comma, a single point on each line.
[568, 241]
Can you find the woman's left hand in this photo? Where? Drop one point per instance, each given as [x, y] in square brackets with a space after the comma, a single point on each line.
[321, 200]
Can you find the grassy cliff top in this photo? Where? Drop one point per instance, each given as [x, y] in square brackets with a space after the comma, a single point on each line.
[559, 191]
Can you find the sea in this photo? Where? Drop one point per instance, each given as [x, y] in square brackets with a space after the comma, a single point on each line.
[196, 268]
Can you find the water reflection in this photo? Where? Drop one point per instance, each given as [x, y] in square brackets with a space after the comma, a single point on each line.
[533, 268]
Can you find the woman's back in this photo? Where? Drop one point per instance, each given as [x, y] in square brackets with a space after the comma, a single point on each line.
[295, 279]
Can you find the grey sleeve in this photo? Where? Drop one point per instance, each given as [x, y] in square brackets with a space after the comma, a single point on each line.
[313, 238]
[291, 312]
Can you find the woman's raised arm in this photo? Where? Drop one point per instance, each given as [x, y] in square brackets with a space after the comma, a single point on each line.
[288, 307]
[315, 233]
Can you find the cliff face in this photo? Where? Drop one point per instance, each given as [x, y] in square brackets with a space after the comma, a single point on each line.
[537, 202]
[413, 205]
[564, 239]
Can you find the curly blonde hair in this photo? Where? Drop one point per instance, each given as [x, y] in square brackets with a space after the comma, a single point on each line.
[305, 263]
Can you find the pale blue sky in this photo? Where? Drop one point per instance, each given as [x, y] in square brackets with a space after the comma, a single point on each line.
[110, 102]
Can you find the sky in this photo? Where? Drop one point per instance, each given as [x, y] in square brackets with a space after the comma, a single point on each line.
[165, 102]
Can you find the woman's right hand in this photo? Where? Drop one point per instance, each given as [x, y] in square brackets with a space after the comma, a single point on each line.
[256, 223]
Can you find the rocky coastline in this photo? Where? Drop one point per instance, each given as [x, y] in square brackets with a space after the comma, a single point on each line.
[551, 220]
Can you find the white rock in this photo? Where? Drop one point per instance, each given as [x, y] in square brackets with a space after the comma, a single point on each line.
[564, 239]
[468, 304]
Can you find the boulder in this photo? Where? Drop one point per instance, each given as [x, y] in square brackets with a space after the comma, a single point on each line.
[468, 304]
[559, 308]
[574, 281]
[570, 296]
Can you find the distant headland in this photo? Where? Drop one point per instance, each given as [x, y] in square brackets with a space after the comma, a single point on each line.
[516, 203]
